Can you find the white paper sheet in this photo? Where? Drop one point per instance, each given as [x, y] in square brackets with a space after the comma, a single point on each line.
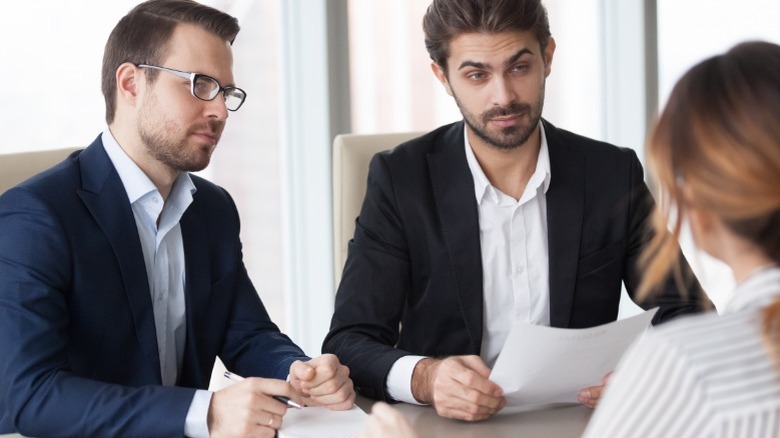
[541, 365]
[319, 422]
[310, 422]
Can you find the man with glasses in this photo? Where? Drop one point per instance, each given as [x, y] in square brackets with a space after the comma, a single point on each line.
[207, 88]
[121, 275]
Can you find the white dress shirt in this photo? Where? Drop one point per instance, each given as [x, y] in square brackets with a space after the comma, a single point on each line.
[701, 376]
[515, 263]
[157, 222]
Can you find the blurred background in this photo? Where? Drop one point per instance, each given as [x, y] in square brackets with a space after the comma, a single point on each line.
[316, 68]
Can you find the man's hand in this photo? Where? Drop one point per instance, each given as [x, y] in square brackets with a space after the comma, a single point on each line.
[458, 387]
[323, 381]
[247, 409]
[590, 396]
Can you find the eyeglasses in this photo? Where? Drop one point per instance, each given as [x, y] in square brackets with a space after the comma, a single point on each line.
[207, 88]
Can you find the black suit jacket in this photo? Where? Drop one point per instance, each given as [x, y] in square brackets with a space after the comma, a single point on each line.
[415, 257]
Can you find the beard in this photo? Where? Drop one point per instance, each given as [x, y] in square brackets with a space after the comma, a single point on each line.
[510, 137]
[167, 142]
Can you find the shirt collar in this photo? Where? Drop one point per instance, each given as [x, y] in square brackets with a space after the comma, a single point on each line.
[136, 183]
[482, 186]
[756, 291]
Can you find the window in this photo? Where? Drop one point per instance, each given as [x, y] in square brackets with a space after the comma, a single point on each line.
[689, 32]
[393, 88]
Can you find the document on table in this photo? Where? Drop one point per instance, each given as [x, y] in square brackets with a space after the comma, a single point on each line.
[542, 365]
[311, 421]
[319, 422]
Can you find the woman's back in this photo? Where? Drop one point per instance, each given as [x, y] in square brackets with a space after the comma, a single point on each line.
[702, 376]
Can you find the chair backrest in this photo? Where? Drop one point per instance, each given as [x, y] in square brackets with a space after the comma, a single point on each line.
[351, 156]
[17, 167]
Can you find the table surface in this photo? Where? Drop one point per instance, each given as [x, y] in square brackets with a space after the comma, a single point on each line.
[558, 421]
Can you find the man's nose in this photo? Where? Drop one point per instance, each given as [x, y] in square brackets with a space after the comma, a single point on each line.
[503, 92]
[217, 107]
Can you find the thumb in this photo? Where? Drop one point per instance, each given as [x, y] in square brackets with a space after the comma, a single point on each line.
[301, 370]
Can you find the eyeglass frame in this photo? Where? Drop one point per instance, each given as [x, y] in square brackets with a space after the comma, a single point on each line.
[194, 77]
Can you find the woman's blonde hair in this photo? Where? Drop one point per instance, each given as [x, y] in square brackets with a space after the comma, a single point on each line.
[719, 139]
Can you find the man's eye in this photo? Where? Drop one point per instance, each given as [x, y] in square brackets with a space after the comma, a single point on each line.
[477, 75]
[202, 88]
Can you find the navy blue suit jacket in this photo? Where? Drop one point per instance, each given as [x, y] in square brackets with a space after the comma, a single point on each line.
[415, 259]
[78, 350]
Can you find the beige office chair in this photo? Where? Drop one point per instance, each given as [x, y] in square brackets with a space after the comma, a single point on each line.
[17, 167]
[351, 155]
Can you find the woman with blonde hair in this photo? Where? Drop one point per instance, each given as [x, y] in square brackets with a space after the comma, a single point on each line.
[715, 154]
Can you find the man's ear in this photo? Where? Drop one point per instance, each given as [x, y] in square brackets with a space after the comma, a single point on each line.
[549, 51]
[128, 82]
[441, 75]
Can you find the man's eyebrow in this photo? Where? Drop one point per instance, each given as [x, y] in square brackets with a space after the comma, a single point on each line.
[520, 53]
[475, 64]
[481, 65]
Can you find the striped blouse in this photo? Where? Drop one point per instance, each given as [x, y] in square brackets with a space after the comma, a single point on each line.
[702, 376]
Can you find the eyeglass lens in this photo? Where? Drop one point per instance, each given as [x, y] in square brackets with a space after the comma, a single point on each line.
[207, 88]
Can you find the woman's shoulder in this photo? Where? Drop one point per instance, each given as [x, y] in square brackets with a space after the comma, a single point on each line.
[703, 334]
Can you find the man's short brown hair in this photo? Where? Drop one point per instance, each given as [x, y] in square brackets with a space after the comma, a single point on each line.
[142, 37]
[446, 19]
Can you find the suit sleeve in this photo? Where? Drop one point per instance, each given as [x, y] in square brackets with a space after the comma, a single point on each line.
[253, 344]
[673, 299]
[40, 394]
[372, 293]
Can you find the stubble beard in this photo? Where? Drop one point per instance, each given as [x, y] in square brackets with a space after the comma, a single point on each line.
[511, 137]
[162, 141]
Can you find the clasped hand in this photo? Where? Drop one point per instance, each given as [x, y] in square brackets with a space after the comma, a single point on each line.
[459, 387]
[247, 408]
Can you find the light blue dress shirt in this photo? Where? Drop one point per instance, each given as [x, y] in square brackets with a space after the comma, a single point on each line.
[157, 221]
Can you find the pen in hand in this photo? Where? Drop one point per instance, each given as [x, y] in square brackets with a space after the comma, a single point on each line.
[286, 400]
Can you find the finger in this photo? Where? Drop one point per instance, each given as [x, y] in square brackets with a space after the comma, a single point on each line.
[327, 381]
[590, 396]
[272, 421]
[584, 396]
[477, 397]
[302, 370]
[326, 367]
[456, 401]
[476, 364]
[344, 391]
[461, 389]
[262, 392]
[460, 410]
[476, 380]
[341, 399]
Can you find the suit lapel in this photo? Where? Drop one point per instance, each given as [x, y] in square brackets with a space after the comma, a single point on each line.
[565, 204]
[196, 254]
[106, 199]
[453, 190]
